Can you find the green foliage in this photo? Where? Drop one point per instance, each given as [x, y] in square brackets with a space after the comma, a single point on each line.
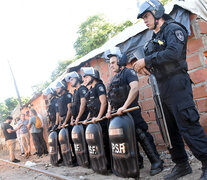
[165, 1]
[62, 66]
[9, 105]
[94, 32]
[37, 88]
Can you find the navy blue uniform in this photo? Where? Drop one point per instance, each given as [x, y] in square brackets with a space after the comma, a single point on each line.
[166, 59]
[118, 94]
[76, 101]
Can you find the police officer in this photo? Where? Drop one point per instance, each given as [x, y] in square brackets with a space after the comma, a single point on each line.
[79, 110]
[123, 94]
[51, 107]
[165, 57]
[97, 103]
[64, 110]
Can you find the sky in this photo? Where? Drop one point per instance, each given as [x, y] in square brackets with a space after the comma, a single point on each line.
[36, 34]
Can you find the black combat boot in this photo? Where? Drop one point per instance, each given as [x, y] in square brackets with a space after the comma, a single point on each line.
[204, 171]
[141, 163]
[179, 170]
[156, 162]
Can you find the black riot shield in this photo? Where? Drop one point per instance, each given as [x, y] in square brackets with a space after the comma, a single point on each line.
[53, 148]
[94, 139]
[81, 150]
[65, 146]
[123, 146]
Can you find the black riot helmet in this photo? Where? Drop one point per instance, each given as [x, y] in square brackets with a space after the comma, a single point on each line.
[121, 57]
[62, 85]
[90, 71]
[153, 6]
[75, 75]
[49, 90]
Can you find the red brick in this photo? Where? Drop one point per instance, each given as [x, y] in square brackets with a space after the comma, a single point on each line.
[193, 16]
[153, 127]
[203, 120]
[145, 93]
[193, 62]
[147, 104]
[194, 45]
[159, 139]
[152, 115]
[203, 26]
[145, 116]
[202, 105]
[143, 81]
[199, 75]
[200, 91]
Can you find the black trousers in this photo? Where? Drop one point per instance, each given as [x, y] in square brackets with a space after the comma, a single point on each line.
[43, 143]
[182, 118]
[141, 124]
[36, 137]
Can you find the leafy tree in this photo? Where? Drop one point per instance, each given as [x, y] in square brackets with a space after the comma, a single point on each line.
[94, 32]
[40, 87]
[62, 65]
[165, 1]
[9, 105]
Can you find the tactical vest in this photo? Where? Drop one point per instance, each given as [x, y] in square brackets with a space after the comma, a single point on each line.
[52, 109]
[158, 44]
[62, 105]
[93, 102]
[118, 90]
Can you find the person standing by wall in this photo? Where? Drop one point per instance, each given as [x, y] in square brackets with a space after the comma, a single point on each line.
[24, 134]
[35, 132]
[16, 124]
[10, 137]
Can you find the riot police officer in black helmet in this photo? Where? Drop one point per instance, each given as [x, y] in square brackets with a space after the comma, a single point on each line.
[123, 94]
[97, 103]
[51, 107]
[79, 109]
[165, 57]
[64, 110]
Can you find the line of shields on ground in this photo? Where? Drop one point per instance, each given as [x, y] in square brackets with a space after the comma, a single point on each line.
[89, 146]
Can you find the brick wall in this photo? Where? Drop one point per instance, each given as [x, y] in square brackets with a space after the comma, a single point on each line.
[197, 61]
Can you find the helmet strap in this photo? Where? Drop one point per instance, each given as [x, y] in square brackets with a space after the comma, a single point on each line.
[156, 23]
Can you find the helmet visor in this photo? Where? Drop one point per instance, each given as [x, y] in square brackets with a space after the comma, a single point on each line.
[73, 74]
[47, 91]
[59, 85]
[85, 71]
[115, 51]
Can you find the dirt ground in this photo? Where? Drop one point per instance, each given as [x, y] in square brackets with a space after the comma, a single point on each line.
[9, 172]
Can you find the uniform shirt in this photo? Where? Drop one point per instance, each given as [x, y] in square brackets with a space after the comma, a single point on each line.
[78, 94]
[62, 103]
[174, 39]
[23, 129]
[52, 109]
[32, 121]
[7, 135]
[129, 76]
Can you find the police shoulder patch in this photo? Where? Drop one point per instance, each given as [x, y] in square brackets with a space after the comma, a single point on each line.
[101, 88]
[69, 95]
[133, 72]
[84, 91]
[179, 35]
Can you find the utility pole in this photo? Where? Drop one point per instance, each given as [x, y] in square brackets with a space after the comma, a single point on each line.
[15, 85]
